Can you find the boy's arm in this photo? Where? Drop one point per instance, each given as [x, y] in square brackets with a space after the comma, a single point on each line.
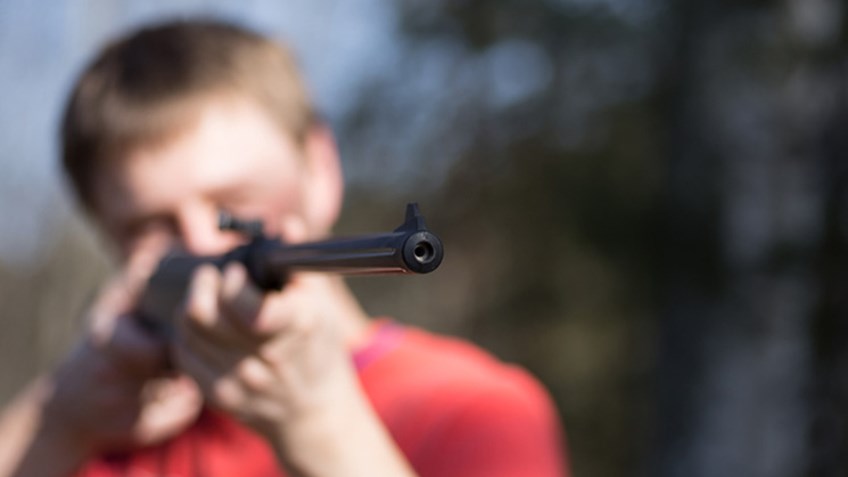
[343, 440]
[31, 446]
[95, 400]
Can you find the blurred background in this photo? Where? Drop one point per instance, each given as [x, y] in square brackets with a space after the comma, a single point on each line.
[645, 202]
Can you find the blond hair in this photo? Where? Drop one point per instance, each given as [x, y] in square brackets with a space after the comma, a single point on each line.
[147, 86]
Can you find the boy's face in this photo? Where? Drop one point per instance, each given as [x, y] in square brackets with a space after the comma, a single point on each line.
[232, 158]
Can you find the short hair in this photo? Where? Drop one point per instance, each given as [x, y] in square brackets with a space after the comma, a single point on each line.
[144, 88]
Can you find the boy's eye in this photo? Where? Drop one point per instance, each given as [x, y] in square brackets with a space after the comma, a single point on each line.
[238, 201]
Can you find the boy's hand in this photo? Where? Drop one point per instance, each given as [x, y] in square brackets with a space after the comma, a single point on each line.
[272, 360]
[112, 391]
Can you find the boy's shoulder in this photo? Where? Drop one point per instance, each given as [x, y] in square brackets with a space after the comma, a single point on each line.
[443, 396]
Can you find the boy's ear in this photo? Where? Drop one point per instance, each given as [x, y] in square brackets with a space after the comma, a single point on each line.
[325, 191]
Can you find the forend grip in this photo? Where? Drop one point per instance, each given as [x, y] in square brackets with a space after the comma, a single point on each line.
[410, 248]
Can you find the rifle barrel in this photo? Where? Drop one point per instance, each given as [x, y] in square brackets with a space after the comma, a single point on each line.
[411, 248]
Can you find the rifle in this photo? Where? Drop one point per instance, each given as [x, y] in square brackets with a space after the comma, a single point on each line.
[410, 248]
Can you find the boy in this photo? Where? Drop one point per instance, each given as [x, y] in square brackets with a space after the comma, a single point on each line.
[167, 127]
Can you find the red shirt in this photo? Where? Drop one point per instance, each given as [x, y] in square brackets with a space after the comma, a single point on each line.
[452, 409]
